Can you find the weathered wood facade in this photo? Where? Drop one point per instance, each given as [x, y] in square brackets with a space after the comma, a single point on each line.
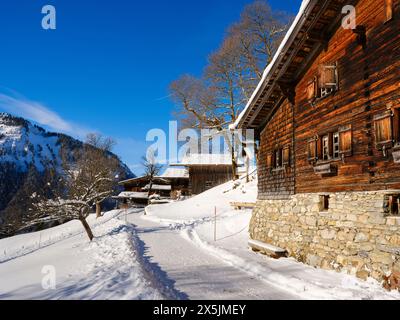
[205, 177]
[327, 113]
[328, 117]
[360, 112]
[275, 158]
[173, 185]
[206, 170]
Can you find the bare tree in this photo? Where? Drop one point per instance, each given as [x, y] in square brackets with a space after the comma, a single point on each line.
[215, 100]
[259, 33]
[205, 107]
[152, 169]
[86, 183]
[198, 102]
[104, 146]
[224, 73]
[98, 141]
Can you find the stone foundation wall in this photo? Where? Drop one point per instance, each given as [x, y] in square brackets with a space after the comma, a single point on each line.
[354, 234]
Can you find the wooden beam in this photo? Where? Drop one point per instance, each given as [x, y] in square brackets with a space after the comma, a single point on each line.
[275, 107]
[288, 90]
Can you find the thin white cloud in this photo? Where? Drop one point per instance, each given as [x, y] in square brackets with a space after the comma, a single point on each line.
[163, 98]
[37, 112]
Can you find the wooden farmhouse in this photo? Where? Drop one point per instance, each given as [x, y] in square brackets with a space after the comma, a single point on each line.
[174, 182]
[327, 116]
[206, 171]
[178, 178]
[127, 199]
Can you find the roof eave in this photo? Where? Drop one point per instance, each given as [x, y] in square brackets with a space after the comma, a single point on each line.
[297, 25]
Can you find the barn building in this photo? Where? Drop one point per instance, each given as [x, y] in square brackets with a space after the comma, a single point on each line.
[327, 116]
[172, 183]
[206, 171]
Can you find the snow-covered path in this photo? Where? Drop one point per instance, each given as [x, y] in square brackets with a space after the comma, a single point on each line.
[192, 272]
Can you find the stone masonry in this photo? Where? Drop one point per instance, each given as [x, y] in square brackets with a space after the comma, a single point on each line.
[356, 234]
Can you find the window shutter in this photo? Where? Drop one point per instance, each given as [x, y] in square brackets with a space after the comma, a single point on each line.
[383, 130]
[328, 76]
[388, 10]
[312, 90]
[270, 162]
[312, 150]
[346, 141]
[286, 156]
[319, 148]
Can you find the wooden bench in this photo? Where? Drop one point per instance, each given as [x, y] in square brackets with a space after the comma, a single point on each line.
[267, 249]
[243, 205]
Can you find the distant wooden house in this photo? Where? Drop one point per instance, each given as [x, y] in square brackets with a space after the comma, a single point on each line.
[174, 181]
[129, 199]
[206, 171]
[327, 114]
[178, 179]
[137, 184]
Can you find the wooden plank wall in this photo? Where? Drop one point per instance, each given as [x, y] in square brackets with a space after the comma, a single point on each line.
[201, 175]
[276, 184]
[369, 82]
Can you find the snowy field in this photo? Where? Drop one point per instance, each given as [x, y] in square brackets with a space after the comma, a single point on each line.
[169, 253]
[194, 219]
[107, 268]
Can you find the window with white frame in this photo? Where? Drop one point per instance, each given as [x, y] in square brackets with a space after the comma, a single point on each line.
[325, 147]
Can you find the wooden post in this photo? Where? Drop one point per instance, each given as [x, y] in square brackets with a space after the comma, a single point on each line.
[215, 224]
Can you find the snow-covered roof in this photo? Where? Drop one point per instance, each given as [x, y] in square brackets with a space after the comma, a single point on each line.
[285, 43]
[158, 187]
[175, 173]
[133, 195]
[205, 159]
[142, 179]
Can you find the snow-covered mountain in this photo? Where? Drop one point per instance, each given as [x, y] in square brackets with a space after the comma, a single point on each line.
[25, 144]
[28, 155]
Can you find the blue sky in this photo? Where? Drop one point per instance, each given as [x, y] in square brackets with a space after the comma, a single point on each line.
[107, 66]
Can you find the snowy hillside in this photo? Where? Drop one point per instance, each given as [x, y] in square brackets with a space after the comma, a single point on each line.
[24, 144]
[204, 204]
[107, 268]
[29, 157]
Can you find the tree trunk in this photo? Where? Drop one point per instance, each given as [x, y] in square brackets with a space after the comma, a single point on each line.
[87, 228]
[98, 210]
[150, 187]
